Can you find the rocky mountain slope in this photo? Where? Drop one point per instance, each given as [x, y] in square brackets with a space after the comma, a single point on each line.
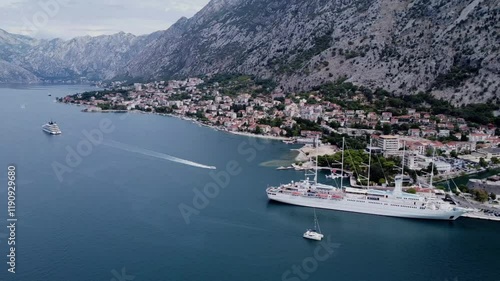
[24, 59]
[12, 46]
[450, 47]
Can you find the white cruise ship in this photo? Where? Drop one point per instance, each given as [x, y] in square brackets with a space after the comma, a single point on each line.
[395, 203]
[51, 128]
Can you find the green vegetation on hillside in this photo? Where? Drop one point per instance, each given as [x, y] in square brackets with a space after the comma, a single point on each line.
[347, 95]
[382, 169]
[459, 72]
[233, 84]
[86, 96]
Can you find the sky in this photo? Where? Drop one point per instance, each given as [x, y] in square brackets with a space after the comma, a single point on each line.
[71, 18]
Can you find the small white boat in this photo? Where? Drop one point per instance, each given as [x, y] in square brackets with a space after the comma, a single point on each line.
[335, 174]
[315, 233]
[333, 177]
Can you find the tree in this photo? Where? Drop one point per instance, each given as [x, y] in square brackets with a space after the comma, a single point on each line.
[480, 195]
[495, 160]
[258, 130]
[463, 188]
[334, 124]
[387, 129]
[493, 196]
[432, 168]
[356, 160]
[453, 154]
[482, 162]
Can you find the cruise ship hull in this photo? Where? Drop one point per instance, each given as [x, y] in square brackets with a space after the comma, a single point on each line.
[51, 132]
[365, 206]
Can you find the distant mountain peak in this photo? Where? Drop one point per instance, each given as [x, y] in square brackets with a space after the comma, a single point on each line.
[95, 58]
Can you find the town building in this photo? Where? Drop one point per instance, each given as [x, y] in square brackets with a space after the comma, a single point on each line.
[388, 143]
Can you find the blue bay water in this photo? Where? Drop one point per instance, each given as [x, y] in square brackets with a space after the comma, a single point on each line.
[119, 210]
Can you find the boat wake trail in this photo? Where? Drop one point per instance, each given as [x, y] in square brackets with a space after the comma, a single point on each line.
[155, 154]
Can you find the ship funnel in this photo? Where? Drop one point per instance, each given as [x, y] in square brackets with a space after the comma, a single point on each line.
[398, 188]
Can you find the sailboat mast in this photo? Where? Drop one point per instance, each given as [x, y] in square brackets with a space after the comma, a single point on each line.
[342, 165]
[369, 163]
[403, 162]
[432, 167]
[316, 223]
[316, 170]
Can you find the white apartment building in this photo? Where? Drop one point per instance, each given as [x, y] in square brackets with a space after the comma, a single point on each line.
[389, 144]
[419, 162]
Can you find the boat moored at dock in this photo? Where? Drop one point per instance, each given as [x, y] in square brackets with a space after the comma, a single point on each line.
[394, 203]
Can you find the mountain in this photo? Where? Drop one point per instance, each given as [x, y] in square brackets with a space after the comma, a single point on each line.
[12, 46]
[92, 58]
[449, 47]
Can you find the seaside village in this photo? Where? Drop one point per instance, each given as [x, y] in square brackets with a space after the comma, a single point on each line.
[242, 113]
[451, 145]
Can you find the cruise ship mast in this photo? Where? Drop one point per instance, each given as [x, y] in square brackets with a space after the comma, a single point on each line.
[314, 173]
[369, 164]
[317, 152]
[368, 167]
[403, 161]
[432, 166]
[398, 181]
[342, 165]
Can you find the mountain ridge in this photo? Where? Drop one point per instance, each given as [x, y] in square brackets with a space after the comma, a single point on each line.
[445, 47]
[448, 48]
[92, 58]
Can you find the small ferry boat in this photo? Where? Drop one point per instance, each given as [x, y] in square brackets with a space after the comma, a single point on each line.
[51, 128]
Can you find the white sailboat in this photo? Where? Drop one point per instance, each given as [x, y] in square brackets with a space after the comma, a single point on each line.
[315, 232]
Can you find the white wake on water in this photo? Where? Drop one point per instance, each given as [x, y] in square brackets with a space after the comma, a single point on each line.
[155, 154]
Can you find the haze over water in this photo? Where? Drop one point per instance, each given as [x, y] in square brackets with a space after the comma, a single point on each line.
[119, 210]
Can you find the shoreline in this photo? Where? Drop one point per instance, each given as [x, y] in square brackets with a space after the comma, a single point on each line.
[303, 156]
[307, 151]
[480, 216]
[259, 136]
[185, 118]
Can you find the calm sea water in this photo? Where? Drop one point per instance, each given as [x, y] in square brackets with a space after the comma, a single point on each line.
[115, 216]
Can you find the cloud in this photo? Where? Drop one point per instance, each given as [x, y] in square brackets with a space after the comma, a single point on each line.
[95, 17]
[184, 6]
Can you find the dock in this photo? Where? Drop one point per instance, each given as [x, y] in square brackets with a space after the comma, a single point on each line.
[481, 216]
